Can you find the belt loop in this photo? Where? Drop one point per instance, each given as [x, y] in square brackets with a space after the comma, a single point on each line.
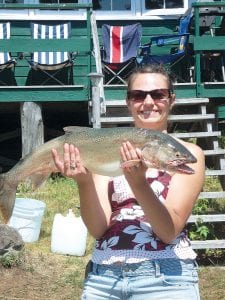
[157, 269]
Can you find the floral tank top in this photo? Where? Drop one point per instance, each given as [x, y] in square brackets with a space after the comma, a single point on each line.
[130, 238]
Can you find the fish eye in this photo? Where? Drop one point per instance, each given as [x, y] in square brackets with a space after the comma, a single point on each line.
[177, 154]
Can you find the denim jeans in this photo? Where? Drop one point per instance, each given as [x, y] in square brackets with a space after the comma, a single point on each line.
[168, 279]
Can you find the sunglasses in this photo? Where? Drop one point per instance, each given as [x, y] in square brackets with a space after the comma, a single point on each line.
[156, 95]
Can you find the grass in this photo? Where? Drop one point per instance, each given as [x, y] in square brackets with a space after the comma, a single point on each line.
[41, 274]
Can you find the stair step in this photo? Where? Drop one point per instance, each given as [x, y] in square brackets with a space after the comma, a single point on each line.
[116, 119]
[111, 103]
[212, 195]
[215, 172]
[191, 117]
[190, 101]
[195, 134]
[174, 118]
[209, 244]
[206, 218]
[219, 151]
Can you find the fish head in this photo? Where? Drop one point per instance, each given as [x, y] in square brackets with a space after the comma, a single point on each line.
[169, 156]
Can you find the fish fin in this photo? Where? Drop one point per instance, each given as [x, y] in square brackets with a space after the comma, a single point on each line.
[75, 128]
[7, 198]
[37, 180]
[130, 163]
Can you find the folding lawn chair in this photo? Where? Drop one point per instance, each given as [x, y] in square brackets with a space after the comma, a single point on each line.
[154, 52]
[120, 48]
[50, 68]
[7, 64]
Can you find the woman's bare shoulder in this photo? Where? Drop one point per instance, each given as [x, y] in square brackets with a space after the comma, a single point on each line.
[192, 147]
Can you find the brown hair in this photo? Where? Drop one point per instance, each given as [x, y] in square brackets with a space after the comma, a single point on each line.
[149, 69]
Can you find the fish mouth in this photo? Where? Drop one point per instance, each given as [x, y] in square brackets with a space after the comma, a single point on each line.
[180, 166]
[185, 169]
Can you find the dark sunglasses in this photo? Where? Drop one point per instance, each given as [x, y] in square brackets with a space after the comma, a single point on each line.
[156, 95]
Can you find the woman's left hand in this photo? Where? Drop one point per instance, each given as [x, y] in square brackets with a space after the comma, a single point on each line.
[133, 167]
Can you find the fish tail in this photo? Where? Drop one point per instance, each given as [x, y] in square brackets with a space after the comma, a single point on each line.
[7, 198]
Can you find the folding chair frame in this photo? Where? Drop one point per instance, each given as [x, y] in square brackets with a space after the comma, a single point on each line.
[179, 40]
[131, 64]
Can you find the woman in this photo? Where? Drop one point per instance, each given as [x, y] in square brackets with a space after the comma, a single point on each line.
[138, 219]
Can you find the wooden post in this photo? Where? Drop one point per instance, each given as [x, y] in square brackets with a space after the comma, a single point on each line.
[96, 106]
[32, 128]
[98, 62]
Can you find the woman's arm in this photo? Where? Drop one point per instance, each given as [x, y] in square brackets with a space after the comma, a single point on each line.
[167, 219]
[93, 190]
[94, 204]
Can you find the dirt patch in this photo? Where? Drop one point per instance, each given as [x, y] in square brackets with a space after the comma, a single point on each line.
[48, 276]
[40, 277]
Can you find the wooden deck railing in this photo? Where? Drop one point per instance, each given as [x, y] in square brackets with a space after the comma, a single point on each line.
[210, 43]
[21, 42]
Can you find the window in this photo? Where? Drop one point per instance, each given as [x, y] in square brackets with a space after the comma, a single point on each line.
[111, 5]
[37, 1]
[162, 4]
[11, 1]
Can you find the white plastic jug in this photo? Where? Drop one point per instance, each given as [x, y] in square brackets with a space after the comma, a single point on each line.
[69, 234]
[27, 217]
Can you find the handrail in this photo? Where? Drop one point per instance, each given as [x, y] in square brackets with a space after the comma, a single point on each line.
[208, 4]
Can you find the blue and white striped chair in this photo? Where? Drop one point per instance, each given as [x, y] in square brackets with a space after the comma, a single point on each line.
[51, 63]
[6, 61]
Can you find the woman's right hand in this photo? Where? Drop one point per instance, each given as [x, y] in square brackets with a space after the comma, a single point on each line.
[71, 165]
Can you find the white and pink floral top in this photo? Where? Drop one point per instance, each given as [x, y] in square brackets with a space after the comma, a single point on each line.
[130, 238]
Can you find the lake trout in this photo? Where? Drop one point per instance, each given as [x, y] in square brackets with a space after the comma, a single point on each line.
[100, 153]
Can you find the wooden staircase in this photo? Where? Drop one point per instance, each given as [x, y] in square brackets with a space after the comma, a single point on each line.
[190, 120]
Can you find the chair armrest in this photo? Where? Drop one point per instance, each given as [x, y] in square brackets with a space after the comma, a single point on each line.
[166, 39]
[160, 41]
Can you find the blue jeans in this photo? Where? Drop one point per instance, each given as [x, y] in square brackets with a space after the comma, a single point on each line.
[168, 279]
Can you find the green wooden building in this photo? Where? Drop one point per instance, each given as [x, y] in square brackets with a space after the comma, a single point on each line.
[34, 109]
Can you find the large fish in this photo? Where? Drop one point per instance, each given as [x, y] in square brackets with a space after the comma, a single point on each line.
[100, 154]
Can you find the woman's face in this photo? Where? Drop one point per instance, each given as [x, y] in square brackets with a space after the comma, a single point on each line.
[151, 110]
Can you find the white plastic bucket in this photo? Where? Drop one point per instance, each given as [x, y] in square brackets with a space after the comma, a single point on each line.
[69, 235]
[27, 217]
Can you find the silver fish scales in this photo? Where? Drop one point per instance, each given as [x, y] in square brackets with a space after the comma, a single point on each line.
[100, 154]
